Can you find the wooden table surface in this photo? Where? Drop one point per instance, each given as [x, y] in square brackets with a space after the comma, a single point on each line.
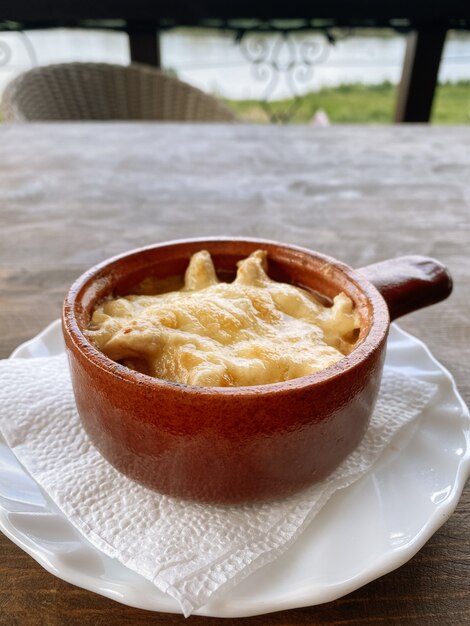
[72, 195]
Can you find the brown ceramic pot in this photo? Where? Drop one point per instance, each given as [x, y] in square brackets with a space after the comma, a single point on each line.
[242, 444]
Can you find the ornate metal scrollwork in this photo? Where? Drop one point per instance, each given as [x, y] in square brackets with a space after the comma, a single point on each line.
[5, 53]
[289, 55]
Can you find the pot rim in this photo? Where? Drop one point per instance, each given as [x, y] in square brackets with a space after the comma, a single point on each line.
[371, 342]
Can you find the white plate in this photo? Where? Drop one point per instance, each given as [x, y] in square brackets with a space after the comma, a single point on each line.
[363, 532]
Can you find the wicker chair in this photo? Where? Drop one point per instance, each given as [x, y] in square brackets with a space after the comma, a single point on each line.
[100, 91]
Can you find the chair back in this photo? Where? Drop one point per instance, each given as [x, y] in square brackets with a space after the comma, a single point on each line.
[102, 91]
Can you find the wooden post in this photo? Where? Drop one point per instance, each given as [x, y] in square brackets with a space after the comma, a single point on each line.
[419, 76]
[144, 43]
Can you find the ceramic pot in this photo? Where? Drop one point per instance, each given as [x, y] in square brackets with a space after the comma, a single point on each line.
[240, 444]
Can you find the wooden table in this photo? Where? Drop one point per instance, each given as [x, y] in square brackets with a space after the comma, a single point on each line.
[72, 195]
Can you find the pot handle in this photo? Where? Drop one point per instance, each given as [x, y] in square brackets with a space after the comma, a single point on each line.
[409, 283]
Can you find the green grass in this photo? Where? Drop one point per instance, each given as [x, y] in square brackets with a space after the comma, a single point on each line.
[452, 103]
[362, 104]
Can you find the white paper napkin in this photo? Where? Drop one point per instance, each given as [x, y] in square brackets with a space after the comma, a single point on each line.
[189, 551]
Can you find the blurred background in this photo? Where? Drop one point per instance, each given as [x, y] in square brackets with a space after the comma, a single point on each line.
[287, 74]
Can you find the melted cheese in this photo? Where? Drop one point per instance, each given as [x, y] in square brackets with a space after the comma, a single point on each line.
[252, 331]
